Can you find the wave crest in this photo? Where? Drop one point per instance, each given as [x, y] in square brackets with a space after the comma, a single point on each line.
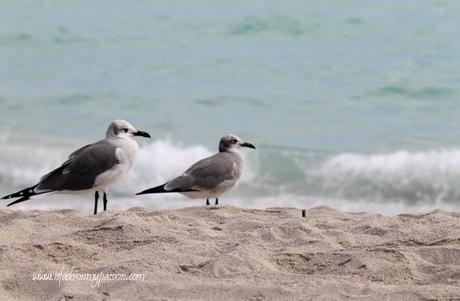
[411, 177]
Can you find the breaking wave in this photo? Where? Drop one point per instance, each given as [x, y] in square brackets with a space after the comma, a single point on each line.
[410, 177]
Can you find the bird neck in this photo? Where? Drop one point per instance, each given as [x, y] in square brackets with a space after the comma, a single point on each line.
[233, 152]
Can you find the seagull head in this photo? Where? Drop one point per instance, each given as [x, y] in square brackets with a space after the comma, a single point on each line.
[231, 143]
[123, 129]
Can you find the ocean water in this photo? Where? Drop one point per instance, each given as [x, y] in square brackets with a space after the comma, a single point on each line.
[352, 104]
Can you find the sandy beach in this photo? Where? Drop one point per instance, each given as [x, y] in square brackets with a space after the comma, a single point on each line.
[229, 253]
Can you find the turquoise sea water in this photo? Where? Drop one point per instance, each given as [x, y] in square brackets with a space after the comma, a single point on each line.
[352, 104]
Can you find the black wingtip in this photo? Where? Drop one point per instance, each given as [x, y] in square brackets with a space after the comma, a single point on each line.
[23, 195]
[18, 201]
[161, 189]
[158, 189]
[10, 196]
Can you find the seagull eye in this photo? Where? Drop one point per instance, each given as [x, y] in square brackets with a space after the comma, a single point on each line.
[234, 141]
[125, 130]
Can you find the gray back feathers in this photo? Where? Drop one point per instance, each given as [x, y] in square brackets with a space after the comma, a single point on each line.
[79, 172]
[206, 174]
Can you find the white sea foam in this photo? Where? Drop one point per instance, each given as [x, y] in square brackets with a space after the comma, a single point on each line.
[412, 177]
[21, 165]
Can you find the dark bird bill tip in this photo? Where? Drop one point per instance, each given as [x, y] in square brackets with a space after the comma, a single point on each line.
[247, 144]
[142, 134]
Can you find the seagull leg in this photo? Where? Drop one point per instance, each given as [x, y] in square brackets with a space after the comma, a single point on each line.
[217, 201]
[105, 201]
[207, 202]
[96, 197]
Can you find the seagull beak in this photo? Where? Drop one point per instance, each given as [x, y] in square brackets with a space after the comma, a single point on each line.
[247, 144]
[142, 134]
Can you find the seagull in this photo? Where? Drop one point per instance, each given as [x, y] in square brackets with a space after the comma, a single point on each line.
[94, 167]
[209, 177]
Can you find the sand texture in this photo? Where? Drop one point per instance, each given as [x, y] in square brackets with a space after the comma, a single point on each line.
[229, 253]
